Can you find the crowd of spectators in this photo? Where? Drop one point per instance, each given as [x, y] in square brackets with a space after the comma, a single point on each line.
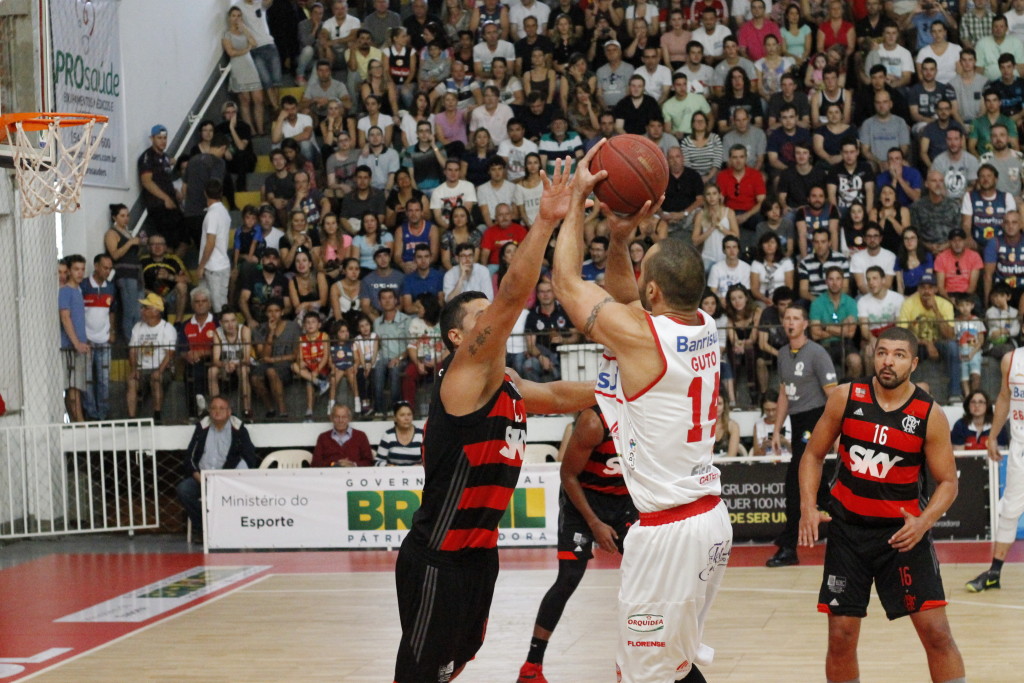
[861, 158]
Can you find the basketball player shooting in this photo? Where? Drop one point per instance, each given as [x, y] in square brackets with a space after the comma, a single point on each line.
[888, 429]
[659, 397]
[472, 453]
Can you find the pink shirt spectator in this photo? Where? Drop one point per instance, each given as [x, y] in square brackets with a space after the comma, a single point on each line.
[453, 130]
[957, 269]
[752, 38]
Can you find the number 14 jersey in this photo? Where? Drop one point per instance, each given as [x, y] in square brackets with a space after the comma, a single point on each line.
[665, 434]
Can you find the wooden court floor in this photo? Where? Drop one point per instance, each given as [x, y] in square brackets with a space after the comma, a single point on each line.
[300, 621]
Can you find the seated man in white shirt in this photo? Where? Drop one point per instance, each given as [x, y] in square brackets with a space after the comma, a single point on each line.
[291, 124]
[764, 428]
[467, 275]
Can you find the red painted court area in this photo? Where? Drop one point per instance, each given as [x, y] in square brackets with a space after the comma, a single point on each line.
[110, 596]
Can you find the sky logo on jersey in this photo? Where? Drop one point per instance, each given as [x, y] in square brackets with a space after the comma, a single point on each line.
[868, 461]
[645, 623]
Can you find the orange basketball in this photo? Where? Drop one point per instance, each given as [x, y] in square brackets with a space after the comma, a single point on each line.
[637, 172]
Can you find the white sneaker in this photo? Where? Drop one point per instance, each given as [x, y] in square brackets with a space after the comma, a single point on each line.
[330, 407]
[358, 407]
[324, 385]
[200, 404]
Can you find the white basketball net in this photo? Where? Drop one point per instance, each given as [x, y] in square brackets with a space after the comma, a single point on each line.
[51, 163]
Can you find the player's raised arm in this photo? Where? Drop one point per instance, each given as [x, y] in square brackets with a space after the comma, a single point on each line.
[562, 396]
[822, 438]
[619, 280]
[583, 300]
[478, 368]
[938, 453]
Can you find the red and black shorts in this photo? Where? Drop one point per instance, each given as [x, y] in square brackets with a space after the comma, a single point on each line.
[856, 556]
[443, 605]
[575, 540]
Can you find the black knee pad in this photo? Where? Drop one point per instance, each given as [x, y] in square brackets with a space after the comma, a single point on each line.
[570, 573]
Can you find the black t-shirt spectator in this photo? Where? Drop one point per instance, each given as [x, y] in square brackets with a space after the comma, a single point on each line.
[864, 29]
[637, 59]
[535, 125]
[160, 276]
[634, 118]
[850, 187]
[727, 104]
[313, 234]
[415, 30]
[261, 292]
[159, 164]
[354, 207]
[524, 50]
[281, 188]
[542, 325]
[575, 15]
[864, 104]
[771, 324]
[242, 161]
[800, 102]
[797, 186]
[394, 205]
[682, 191]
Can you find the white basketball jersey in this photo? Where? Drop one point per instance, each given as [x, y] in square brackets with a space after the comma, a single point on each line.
[1016, 382]
[665, 434]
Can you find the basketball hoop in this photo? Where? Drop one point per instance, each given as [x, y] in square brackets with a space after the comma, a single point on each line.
[50, 166]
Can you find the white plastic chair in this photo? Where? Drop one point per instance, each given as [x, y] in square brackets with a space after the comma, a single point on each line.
[539, 452]
[287, 459]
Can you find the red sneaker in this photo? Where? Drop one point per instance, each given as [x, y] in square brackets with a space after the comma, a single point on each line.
[531, 673]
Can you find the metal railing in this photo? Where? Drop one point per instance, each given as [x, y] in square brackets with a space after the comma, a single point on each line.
[77, 478]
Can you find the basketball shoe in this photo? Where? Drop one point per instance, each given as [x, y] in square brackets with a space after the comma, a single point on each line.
[986, 580]
[531, 673]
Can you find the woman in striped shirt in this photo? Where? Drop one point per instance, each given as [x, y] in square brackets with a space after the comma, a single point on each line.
[402, 444]
[702, 148]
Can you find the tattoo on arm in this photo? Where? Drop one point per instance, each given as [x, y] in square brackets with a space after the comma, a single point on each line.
[479, 341]
[588, 327]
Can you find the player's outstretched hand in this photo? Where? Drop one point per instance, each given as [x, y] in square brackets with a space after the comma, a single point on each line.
[910, 534]
[605, 537]
[993, 449]
[583, 180]
[554, 203]
[623, 227]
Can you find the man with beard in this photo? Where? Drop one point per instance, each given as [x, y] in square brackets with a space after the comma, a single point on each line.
[268, 283]
[983, 209]
[1006, 160]
[814, 216]
[889, 429]
[959, 170]
[930, 317]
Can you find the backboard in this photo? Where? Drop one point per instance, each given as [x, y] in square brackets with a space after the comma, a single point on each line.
[25, 60]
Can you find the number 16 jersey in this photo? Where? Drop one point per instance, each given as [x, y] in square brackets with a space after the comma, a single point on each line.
[665, 433]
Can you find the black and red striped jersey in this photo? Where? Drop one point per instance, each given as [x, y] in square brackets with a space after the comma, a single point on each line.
[472, 465]
[603, 471]
[881, 456]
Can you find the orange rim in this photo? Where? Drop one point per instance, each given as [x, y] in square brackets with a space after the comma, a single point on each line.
[38, 120]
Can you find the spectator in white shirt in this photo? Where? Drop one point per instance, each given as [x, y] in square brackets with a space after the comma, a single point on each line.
[873, 255]
[467, 275]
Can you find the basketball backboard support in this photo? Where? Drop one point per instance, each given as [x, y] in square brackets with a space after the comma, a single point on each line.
[25, 61]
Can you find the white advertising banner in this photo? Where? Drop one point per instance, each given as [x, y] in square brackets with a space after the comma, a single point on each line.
[366, 507]
[88, 79]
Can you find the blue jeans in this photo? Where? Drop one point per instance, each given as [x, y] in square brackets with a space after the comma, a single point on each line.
[533, 371]
[268, 65]
[96, 401]
[128, 294]
[191, 498]
[393, 377]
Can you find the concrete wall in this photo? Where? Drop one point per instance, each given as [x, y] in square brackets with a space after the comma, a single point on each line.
[168, 49]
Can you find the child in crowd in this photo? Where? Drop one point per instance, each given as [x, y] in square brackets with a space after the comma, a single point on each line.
[249, 244]
[1002, 322]
[969, 332]
[344, 363]
[367, 350]
[311, 359]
